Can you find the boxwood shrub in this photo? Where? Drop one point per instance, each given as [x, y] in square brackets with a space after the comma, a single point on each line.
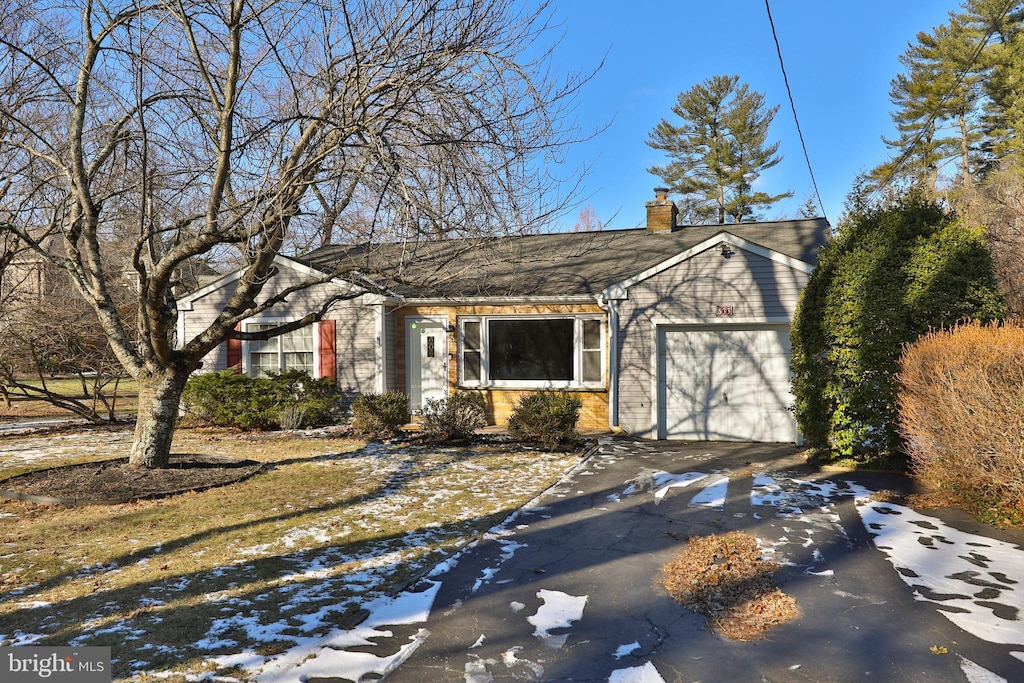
[228, 399]
[455, 417]
[380, 416]
[547, 417]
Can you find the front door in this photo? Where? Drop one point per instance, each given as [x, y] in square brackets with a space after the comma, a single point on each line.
[427, 373]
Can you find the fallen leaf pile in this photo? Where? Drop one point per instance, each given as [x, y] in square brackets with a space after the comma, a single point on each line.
[725, 578]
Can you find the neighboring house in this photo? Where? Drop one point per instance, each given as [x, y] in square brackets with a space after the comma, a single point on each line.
[677, 332]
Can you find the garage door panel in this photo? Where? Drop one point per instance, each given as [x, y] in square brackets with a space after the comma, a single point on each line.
[725, 383]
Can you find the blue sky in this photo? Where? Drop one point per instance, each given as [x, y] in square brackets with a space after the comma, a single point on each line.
[840, 58]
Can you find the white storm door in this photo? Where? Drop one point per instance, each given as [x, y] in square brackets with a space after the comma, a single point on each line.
[427, 373]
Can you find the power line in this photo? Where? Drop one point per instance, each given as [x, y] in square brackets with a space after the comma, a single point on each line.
[961, 75]
[792, 105]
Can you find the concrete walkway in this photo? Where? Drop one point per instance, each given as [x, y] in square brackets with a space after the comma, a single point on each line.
[569, 592]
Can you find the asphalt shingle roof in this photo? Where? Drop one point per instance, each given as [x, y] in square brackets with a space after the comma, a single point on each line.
[556, 264]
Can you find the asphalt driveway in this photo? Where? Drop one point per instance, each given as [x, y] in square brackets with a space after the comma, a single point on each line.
[567, 589]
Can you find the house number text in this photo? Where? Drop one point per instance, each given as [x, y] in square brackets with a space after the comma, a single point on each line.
[723, 311]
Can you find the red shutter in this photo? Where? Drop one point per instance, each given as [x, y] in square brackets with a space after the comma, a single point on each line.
[234, 348]
[327, 354]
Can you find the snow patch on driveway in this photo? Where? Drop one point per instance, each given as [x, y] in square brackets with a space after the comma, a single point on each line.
[975, 581]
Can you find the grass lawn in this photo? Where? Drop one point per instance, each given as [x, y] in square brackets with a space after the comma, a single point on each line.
[252, 567]
[126, 399]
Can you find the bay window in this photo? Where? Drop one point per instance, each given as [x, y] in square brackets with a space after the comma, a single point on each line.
[531, 352]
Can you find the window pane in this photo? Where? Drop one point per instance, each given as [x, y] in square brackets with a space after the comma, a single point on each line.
[471, 336]
[299, 340]
[531, 349]
[265, 346]
[262, 363]
[299, 361]
[591, 334]
[471, 366]
[591, 366]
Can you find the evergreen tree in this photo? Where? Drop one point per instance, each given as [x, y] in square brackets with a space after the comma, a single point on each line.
[1002, 23]
[892, 273]
[718, 151]
[960, 100]
[936, 114]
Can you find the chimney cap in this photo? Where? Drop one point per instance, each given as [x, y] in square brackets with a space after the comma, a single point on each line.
[661, 193]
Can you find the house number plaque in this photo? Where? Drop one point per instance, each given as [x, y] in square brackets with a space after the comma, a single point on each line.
[723, 311]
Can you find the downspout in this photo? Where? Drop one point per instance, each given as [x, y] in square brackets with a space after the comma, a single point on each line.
[610, 306]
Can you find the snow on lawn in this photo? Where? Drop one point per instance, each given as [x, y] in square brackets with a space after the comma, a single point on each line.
[276, 611]
[53, 449]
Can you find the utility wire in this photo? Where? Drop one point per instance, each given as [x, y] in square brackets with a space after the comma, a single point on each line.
[792, 105]
[902, 158]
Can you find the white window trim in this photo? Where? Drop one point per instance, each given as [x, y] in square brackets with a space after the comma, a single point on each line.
[246, 361]
[486, 382]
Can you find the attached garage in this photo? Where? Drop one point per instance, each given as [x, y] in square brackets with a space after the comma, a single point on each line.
[701, 340]
[724, 382]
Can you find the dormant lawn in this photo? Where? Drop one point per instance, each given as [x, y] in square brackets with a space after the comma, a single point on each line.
[173, 584]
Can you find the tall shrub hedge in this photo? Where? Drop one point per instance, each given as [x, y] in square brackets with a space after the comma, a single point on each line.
[890, 275]
[961, 402]
[289, 399]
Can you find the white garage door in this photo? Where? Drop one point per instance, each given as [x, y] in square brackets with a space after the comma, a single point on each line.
[725, 383]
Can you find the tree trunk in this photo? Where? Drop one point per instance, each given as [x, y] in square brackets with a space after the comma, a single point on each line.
[159, 398]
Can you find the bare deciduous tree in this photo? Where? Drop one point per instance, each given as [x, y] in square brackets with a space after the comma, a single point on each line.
[188, 130]
[587, 221]
[998, 205]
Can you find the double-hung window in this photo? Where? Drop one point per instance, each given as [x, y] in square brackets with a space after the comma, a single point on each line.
[289, 351]
[531, 352]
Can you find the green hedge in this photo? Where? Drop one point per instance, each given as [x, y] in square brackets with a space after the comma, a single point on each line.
[890, 275]
[291, 399]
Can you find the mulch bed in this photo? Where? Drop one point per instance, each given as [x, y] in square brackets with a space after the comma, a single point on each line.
[113, 481]
[725, 578]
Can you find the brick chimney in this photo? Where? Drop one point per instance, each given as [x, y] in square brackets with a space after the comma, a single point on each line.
[662, 212]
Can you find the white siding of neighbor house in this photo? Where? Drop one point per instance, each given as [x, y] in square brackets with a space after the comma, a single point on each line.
[355, 327]
[757, 289]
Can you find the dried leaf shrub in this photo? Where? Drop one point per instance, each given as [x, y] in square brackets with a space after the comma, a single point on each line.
[961, 406]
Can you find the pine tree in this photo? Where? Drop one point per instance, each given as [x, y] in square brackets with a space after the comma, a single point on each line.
[1002, 22]
[936, 114]
[718, 151]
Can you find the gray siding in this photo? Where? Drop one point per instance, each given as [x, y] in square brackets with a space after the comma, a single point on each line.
[355, 326]
[355, 343]
[755, 287]
[390, 349]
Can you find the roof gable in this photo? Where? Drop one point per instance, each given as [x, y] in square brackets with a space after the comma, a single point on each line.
[186, 303]
[618, 290]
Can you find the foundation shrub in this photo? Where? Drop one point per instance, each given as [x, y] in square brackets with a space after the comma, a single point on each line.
[547, 417]
[961, 405]
[380, 416]
[287, 400]
[454, 418]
